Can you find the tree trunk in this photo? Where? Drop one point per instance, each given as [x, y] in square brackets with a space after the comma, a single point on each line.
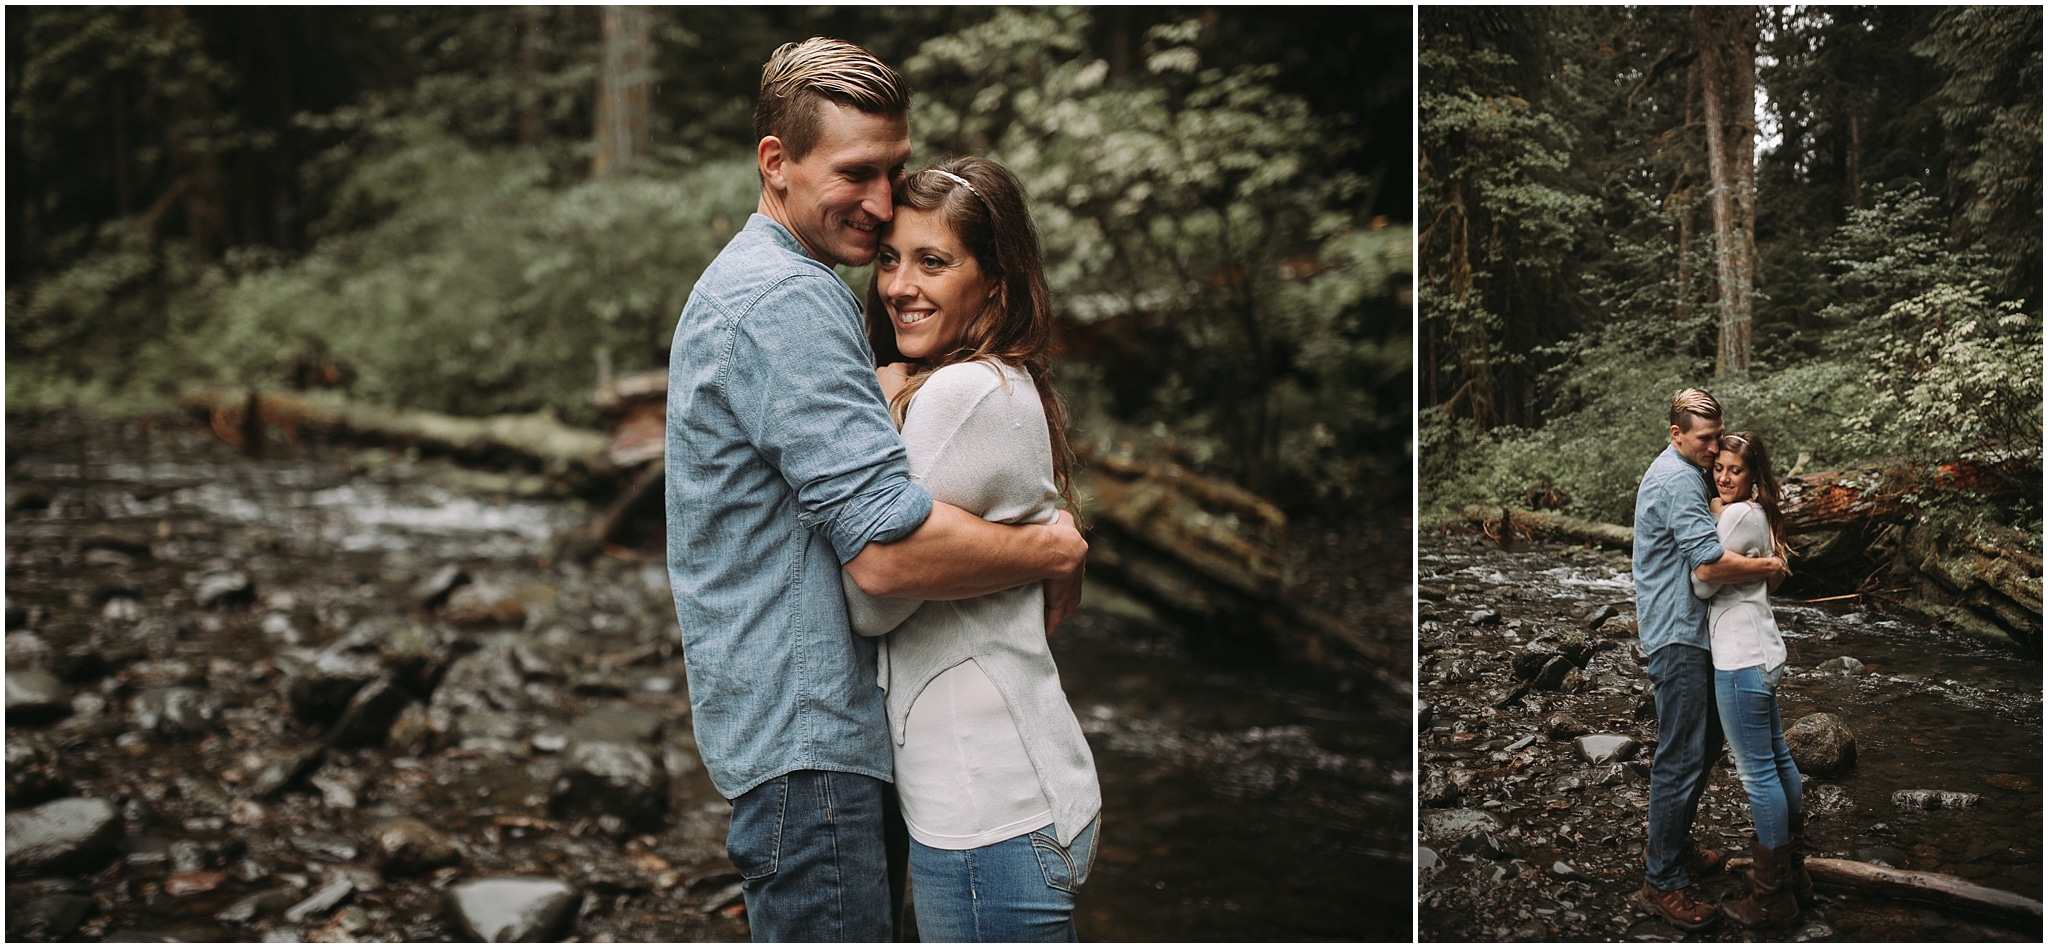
[623, 92]
[1731, 169]
[1502, 523]
[188, 143]
[529, 75]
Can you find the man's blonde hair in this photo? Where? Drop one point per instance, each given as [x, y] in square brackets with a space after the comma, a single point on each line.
[800, 76]
[1693, 403]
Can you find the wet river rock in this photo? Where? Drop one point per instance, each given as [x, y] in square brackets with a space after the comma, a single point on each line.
[1471, 831]
[34, 772]
[1603, 749]
[176, 712]
[513, 909]
[1821, 745]
[1933, 800]
[602, 778]
[406, 846]
[75, 834]
[35, 696]
[48, 918]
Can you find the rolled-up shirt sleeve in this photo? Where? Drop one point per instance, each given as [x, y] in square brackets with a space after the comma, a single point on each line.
[1693, 526]
[803, 391]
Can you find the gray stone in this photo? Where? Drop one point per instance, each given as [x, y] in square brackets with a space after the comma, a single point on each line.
[257, 905]
[607, 778]
[407, 846]
[1844, 665]
[35, 696]
[50, 918]
[72, 834]
[621, 723]
[484, 603]
[1553, 675]
[1599, 614]
[513, 909]
[1821, 745]
[367, 719]
[324, 900]
[222, 587]
[286, 768]
[431, 592]
[1562, 726]
[1933, 800]
[176, 712]
[35, 771]
[27, 650]
[1616, 627]
[326, 847]
[1483, 617]
[1472, 831]
[321, 691]
[1603, 749]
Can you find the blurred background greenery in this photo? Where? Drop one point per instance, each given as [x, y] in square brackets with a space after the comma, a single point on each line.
[468, 209]
[1882, 290]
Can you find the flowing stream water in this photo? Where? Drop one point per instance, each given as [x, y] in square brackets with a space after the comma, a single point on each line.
[1250, 801]
[1928, 709]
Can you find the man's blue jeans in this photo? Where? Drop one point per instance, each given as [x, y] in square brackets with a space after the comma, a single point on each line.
[1688, 741]
[1020, 889]
[810, 849]
[1748, 700]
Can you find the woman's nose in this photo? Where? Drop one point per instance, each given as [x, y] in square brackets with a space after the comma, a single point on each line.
[899, 285]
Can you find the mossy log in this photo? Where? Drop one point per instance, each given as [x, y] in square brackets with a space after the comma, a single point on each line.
[1501, 523]
[1896, 490]
[240, 416]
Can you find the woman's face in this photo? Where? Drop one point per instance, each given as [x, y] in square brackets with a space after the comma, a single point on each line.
[930, 285]
[1732, 478]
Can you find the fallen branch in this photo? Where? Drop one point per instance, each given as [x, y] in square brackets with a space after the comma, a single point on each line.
[1933, 888]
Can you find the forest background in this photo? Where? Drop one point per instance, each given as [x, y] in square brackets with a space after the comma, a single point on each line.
[1830, 217]
[468, 210]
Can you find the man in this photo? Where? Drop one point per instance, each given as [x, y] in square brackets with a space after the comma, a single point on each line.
[1675, 538]
[782, 466]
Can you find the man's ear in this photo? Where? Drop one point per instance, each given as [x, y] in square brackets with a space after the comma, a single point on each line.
[771, 159]
[1675, 433]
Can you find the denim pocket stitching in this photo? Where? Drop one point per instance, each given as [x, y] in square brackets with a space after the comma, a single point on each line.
[1041, 844]
[774, 855]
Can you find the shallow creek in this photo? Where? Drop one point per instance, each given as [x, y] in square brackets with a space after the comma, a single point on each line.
[1559, 857]
[1245, 801]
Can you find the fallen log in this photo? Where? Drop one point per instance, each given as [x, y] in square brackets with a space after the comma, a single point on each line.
[539, 435]
[1891, 490]
[1932, 888]
[1502, 522]
[1985, 581]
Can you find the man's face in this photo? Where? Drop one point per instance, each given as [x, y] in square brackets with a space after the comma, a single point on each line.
[838, 197]
[1700, 443]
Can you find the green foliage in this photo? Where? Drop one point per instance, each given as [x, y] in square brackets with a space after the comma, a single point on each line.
[1184, 214]
[483, 291]
[1951, 372]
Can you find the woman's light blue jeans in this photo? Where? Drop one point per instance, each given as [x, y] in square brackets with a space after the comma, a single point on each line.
[1748, 702]
[1020, 889]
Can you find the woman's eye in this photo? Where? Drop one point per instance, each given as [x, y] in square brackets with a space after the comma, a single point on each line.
[934, 263]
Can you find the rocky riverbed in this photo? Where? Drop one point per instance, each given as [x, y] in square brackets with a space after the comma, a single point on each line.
[347, 694]
[1921, 751]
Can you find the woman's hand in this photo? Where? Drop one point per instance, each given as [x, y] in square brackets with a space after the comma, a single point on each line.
[892, 377]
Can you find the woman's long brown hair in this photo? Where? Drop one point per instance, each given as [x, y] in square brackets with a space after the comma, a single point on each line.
[993, 222]
[1749, 446]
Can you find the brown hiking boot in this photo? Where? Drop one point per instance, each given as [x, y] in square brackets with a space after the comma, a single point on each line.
[1678, 906]
[1800, 883]
[1770, 900]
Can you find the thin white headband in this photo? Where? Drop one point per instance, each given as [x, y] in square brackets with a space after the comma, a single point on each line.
[956, 179]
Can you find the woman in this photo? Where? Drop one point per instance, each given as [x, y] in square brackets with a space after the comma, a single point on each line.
[996, 781]
[1749, 658]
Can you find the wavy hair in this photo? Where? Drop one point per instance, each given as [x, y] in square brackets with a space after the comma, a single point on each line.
[990, 217]
[1749, 446]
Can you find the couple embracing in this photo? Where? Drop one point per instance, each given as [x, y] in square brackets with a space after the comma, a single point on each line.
[866, 534]
[1709, 547]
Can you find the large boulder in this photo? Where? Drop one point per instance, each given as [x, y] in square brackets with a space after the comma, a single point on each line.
[1821, 745]
[612, 778]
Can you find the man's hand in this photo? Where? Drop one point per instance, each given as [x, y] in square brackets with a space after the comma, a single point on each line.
[1063, 593]
[892, 378]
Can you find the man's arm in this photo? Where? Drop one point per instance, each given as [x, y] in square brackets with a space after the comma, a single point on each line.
[957, 555]
[1733, 567]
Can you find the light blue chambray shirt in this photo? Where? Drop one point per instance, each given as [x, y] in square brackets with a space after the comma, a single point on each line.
[781, 465]
[1674, 535]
